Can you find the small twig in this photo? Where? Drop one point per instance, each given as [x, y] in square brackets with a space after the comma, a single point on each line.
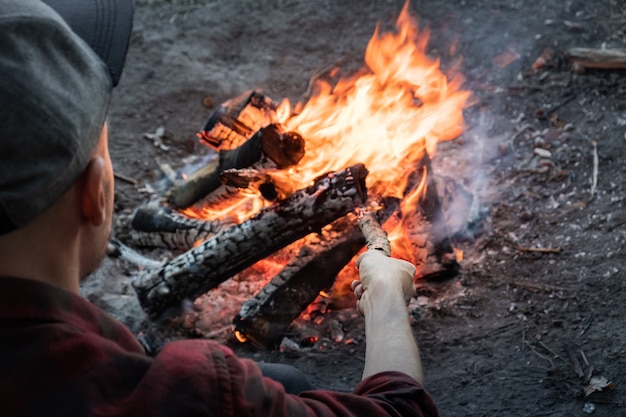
[539, 250]
[582, 355]
[586, 324]
[531, 286]
[556, 355]
[125, 178]
[540, 355]
[594, 178]
[572, 356]
[167, 171]
[546, 413]
[559, 105]
[612, 58]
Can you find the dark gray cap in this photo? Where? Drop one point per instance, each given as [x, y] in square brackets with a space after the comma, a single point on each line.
[104, 24]
[54, 97]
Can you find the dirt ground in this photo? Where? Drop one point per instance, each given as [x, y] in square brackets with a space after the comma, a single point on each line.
[518, 332]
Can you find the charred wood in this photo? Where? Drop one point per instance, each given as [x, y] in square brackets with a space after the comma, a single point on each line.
[264, 319]
[166, 228]
[255, 181]
[284, 149]
[236, 120]
[265, 183]
[230, 251]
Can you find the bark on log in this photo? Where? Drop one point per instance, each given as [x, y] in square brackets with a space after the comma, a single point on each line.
[284, 149]
[597, 58]
[165, 228]
[217, 259]
[375, 236]
[264, 319]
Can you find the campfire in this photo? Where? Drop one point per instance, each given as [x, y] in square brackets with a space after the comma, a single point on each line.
[284, 192]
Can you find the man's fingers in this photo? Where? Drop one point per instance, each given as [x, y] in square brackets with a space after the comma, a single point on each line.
[358, 289]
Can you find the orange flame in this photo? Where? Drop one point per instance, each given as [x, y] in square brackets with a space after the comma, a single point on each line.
[386, 118]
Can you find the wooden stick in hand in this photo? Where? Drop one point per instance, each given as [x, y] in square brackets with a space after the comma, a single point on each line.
[375, 236]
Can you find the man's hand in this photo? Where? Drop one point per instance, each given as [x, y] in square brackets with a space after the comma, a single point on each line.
[382, 294]
[384, 275]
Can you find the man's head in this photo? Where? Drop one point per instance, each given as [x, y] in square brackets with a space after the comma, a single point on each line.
[54, 96]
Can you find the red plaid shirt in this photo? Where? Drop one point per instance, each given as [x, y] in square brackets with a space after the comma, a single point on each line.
[62, 356]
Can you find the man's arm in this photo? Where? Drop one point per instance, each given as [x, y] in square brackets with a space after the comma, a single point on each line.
[383, 293]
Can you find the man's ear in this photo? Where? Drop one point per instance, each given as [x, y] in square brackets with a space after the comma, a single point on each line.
[93, 199]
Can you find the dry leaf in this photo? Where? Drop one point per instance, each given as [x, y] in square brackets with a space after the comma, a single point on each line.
[597, 383]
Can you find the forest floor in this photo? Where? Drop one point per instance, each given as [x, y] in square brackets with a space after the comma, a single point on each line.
[519, 332]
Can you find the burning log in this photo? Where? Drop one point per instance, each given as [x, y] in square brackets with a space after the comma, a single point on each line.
[264, 319]
[284, 149]
[230, 251]
[236, 120]
[165, 228]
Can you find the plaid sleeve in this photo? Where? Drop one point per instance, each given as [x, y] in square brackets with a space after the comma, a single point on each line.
[204, 378]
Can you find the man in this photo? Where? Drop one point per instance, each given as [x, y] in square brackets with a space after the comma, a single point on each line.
[60, 355]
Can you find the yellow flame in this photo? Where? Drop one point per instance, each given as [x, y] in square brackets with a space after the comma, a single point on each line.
[402, 106]
[385, 116]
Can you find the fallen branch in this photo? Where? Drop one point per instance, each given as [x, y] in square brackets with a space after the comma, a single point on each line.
[597, 58]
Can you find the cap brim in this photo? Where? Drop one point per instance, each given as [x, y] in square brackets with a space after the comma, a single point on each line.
[105, 25]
